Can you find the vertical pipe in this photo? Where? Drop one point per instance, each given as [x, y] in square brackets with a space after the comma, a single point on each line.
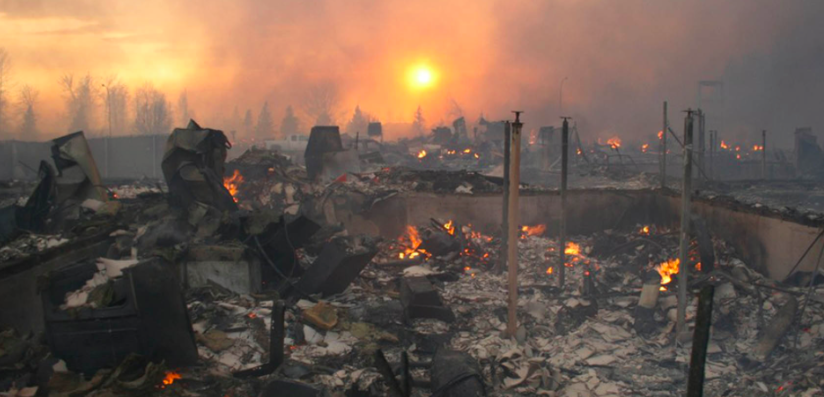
[664, 149]
[562, 226]
[764, 154]
[685, 226]
[505, 221]
[512, 247]
[700, 342]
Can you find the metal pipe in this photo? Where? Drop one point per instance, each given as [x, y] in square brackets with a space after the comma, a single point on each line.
[512, 247]
[686, 191]
[664, 149]
[562, 226]
[505, 221]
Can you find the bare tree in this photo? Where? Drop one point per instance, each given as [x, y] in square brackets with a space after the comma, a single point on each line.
[419, 124]
[152, 111]
[28, 122]
[5, 87]
[183, 107]
[116, 99]
[321, 103]
[81, 100]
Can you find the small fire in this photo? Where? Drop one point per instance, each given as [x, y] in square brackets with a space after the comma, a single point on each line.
[666, 270]
[411, 251]
[738, 157]
[578, 151]
[572, 249]
[644, 147]
[614, 142]
[476, 155]
[450, 227]
[549, 270]
[170, 378]
[467, 150]
[645, 230]
[232, 183]
[422, 154]
[536, 230]
[450, 152]
[724, 145]
[660, 134]
[757, 148]
[738, 148]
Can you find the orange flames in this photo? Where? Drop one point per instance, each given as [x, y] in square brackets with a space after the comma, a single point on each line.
[170, 378]
[645, 230]
[614, 142]
[232, 183]
[724, 145]
[578, 151]
[757, 148]
[660, 134]
[738, 157]
[536, 230]
[467, 150]
[411, 241]
[572, 249]
[738, 148]
[422, 154]
[644, 147]
[450, 227]
[549, 270]
[666, 270]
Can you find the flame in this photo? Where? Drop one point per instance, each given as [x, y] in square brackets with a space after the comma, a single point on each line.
[572, 249]
[614, 142]
[549, 270]
[536, 230]
[533, 137]
[660, 134]
[411, 251]
[450, 227]
[450, 152]
[724, 145]
[232, 183]
[644, 147]
[467, 150]
[476, 156]
[578, 151]
[738, 157]
[666, 270]
[757, 148]
[645, 230]
[422, 154]
[170, 378]
[738, 148]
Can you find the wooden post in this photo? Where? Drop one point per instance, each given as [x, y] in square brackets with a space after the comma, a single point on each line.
[701, 122]
[499, 267]
[686, 191]
[562, 226]
[664, 149]
[700, 342]
[712, 152]
[764, 154]
[512, 231]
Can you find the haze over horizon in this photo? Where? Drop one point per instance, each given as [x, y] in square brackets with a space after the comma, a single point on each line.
[621, 59]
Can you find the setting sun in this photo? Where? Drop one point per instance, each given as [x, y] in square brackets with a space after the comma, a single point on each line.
[421, 77]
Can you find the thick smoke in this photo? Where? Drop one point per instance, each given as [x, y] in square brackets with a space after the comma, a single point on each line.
[621, 58]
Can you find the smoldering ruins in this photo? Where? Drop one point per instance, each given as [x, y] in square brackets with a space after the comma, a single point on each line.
[512, 254]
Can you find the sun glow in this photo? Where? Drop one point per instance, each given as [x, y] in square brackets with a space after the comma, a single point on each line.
[422, 77]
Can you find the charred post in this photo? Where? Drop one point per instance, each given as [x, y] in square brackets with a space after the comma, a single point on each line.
[664, 149]
[700, 342]
[562, 228]
[505, 223]
[512, 230]
[685, 225]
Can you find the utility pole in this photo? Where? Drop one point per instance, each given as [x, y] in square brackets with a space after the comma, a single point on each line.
[499, 267]
[664, 149]
[106, 140]
[683, 268]
[701, 123]
[764, 154]
[712, 152]
[562, 228]
[512, 246]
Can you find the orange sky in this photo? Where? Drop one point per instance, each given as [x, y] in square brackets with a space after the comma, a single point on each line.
[621, 58]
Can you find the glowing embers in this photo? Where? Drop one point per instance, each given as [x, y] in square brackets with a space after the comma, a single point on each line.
[170, 378]
[614, 142]
[536, 230]
[422, 154]
[232, 183]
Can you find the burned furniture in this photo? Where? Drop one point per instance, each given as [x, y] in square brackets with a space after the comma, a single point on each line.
[420, 299]
[340, 262]
[326, 159]
[193, 166]
[145, 315]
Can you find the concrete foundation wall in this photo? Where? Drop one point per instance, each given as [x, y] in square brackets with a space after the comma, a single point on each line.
[765, 242]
